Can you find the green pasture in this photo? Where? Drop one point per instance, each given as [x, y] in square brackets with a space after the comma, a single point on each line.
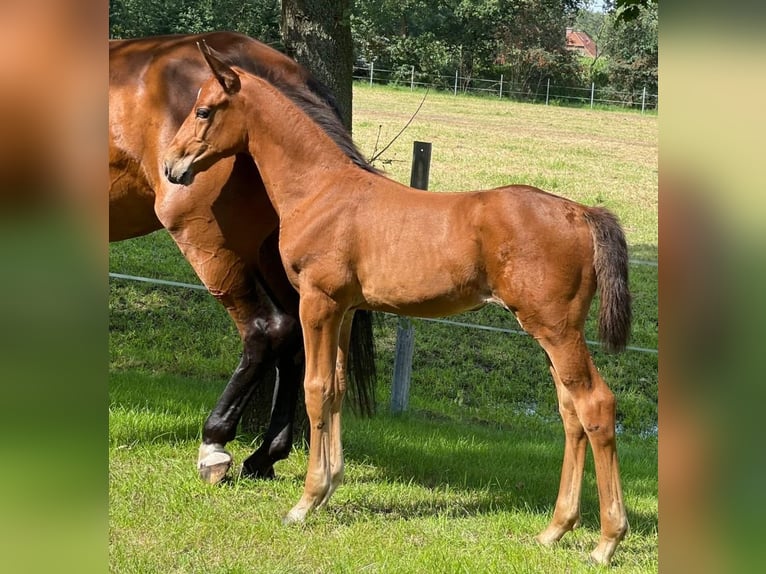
[465, 479]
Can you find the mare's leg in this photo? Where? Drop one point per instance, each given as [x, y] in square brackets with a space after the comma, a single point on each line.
[321, 321]
[278, 440]
[220, 223]
[336, 407]
[279, 436]
[267, 334]
[566, 515]
[594, 406]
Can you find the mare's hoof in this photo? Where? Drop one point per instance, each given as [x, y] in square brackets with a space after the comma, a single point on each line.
[213, 467]
[251, 470]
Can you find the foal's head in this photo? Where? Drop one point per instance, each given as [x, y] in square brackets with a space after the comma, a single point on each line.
[215, 128]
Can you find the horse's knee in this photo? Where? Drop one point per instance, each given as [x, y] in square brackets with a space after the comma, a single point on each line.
[274, 334]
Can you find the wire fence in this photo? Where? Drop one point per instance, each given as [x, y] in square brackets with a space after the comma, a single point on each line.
[502, 87]
[442, 321]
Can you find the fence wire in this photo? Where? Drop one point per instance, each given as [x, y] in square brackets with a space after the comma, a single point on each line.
[503, 87]
[442, 321]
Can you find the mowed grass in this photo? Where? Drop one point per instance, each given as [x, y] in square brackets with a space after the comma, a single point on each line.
[591, 156]
[461, 483]
[420, 495]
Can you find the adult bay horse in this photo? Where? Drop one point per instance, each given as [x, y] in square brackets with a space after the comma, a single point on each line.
[351, 239]
[225, 231]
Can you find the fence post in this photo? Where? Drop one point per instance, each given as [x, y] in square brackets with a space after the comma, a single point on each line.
[456, 82]
[412, 78]
[405, 335]
[592, 92]
[501, 86]
[547, 91]
[372, 68]
[405, 345]
[643, 100]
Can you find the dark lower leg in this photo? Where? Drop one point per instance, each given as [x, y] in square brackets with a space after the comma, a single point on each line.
[279, 436]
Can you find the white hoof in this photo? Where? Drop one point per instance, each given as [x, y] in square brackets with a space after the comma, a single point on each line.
[213, 463]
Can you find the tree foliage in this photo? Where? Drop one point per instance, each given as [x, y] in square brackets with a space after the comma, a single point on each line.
[633, 50]
[521, 39]
[136, 18]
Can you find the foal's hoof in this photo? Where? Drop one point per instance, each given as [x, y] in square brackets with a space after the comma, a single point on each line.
[213, 463]
[598, 556]
[295, 516]
[549, 537]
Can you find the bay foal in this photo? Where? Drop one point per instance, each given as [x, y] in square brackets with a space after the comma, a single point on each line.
[350, 239]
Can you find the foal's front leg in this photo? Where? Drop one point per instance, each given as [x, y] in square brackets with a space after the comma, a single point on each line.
[321, 321]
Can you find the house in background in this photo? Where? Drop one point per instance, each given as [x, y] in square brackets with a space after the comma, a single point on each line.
[581, 43]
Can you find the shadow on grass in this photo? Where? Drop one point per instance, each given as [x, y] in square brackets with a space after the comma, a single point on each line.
[488, 467]
[491, 468]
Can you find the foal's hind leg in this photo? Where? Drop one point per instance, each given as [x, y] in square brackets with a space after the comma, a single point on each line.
[566, 515]
[594, 406]
[336, 407]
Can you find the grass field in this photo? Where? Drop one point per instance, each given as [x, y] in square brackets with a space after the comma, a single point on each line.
[461, 483]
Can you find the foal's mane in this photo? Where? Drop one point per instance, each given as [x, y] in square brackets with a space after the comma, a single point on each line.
[315, 99]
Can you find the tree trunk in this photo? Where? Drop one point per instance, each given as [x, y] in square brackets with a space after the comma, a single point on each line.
[317, 35]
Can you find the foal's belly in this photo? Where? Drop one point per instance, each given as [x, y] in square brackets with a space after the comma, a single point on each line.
[420, 292]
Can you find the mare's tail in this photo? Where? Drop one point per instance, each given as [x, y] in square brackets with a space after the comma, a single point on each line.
[361, 364]
[611, 263]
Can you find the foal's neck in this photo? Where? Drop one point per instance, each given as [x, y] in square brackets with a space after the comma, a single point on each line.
[291, 151]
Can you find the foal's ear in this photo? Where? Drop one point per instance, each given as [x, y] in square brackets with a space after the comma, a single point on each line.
[227, 77]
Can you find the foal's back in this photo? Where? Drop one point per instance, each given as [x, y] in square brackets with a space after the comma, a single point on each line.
[433, 254]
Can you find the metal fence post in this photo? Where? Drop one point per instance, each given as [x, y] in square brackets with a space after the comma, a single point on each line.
[405, 346]
[643, 100]
[372, 68]
[456, 82]
[501, 86]
[547, 91]
[592, 93]
[405, 334]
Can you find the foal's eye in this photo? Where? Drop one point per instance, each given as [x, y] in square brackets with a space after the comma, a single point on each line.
[203, 113]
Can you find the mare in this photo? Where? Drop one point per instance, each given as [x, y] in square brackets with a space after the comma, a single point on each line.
[351, 239]
[225, 231]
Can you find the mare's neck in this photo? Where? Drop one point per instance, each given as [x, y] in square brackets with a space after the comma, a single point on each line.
[289, 149]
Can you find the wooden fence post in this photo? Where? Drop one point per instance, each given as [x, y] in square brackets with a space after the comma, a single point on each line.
[405, 335]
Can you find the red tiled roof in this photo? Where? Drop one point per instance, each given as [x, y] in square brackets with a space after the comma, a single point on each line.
[581, 42]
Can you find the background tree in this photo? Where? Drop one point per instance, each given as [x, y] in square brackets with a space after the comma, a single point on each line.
[633, 51]
[317, 34]
[522, 39]
[135, 18]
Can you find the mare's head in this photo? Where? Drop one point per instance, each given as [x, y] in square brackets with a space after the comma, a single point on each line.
[214, 129]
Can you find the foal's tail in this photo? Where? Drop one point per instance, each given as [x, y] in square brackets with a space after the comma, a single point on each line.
[611, 263]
